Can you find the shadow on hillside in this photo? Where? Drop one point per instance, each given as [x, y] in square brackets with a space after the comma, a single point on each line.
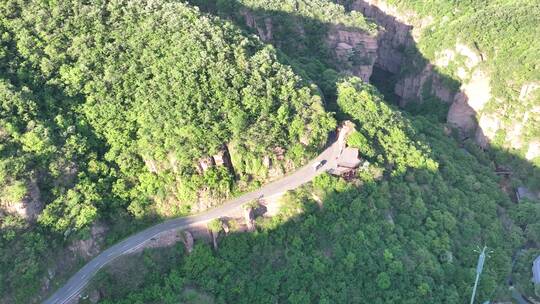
[422, 227]
[396, 70]
[303, 42]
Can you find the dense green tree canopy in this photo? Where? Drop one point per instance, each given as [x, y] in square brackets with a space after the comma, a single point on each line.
[117, 112]
[409, 238]
[110, 106]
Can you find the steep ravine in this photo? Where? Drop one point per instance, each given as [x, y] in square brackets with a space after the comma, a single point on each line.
[353, 50]
[401, 69]
[390, 59]
[397, 54]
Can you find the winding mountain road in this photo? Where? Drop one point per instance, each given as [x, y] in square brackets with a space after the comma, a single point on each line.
[303, 175]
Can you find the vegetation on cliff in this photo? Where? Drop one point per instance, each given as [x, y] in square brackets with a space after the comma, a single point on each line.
[300, 30]
[409, 238]
[110, 107]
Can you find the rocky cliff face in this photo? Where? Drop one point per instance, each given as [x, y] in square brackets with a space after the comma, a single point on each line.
[464, 84]
[397, 41]
[394, 36]
[397, 38]
[353, 50]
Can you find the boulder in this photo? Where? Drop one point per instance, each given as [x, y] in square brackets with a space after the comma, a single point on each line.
[187, 239]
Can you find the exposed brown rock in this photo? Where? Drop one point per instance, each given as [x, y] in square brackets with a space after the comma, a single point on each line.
[30, 206]
[205, 200]
[395, 36]
[346, 128]
[354, 49]
[151, 165]
[279, 152]
[220, 159]
[223, 158]
[263, 28]
[461, 115]
[205, 163]
[187, 239]
[91, 246]
[225, 227]
[410, 88]
[402, 30]
[249, 217]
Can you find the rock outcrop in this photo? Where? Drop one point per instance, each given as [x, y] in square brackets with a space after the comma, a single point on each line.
[205, 163]
[354, 50]
[398, 35]
[249, 217]
[221, 158]
[468, 103]
[30, 206]
[395, 36]
[344, 130]
[92, 245]
[461, 115]
[411, 88]
[457, 76]
[187, 239]
[264, 28]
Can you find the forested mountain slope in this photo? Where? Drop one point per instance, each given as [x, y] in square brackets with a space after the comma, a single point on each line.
[143, 107]
[471, 64]
[116, 114]
[317, 38]
[409, 238]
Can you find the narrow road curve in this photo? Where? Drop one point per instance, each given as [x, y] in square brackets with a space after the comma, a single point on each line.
[303, 175]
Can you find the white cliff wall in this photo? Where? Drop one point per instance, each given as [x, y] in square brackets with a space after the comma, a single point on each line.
[402, 30]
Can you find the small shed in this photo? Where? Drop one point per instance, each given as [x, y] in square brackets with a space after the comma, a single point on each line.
[348, 158]
[536, 270]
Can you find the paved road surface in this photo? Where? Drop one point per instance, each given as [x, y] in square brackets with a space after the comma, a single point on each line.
[305, 174]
